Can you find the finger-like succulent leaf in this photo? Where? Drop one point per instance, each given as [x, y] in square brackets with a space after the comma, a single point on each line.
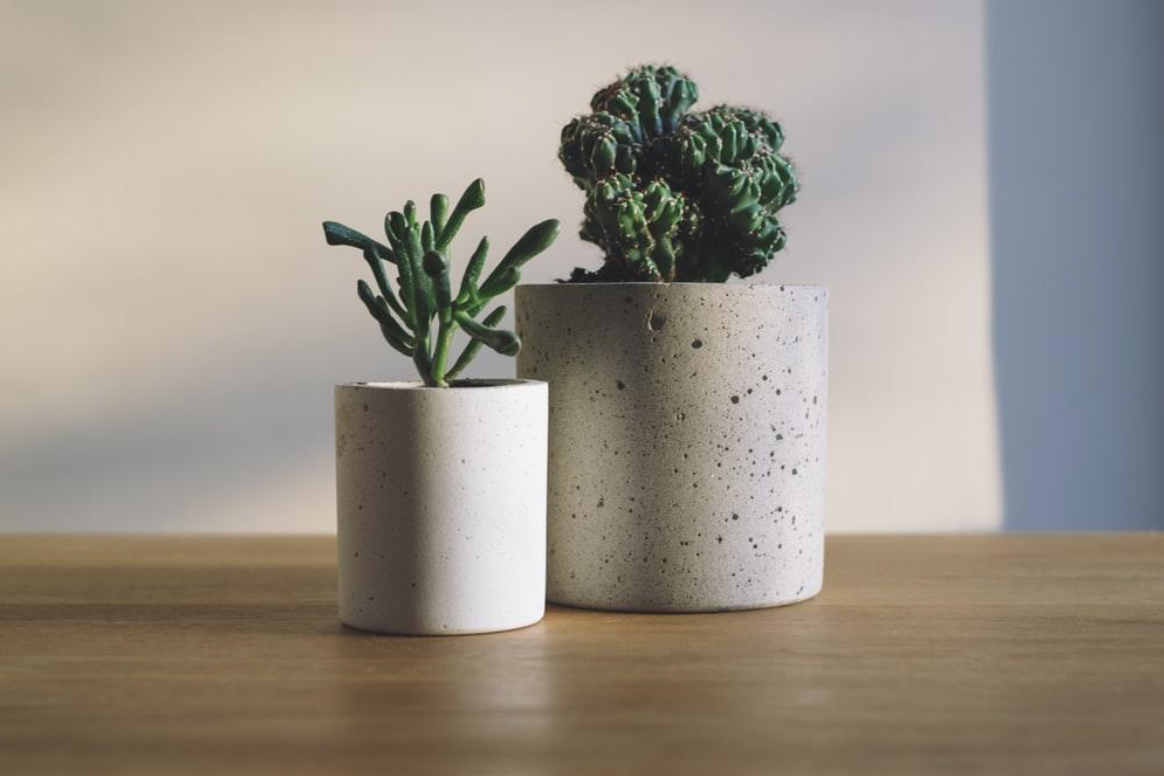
[399, 344]
[534, 241]
[396, 336]
[424, 285]
[426, 237]
[503, 341]
[436, 267]
[471, 199]
[372, 256]
[338, 234]
[474, 345]
[438, 211]
[499, 284]
[424, 302]
[396, 227]
[472, 272]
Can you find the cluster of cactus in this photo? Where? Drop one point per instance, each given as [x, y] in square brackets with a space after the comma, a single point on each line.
[420, 253]
[673, 195]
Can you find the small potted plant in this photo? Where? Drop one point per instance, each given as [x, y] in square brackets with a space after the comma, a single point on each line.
[441, 483]
[687, 415]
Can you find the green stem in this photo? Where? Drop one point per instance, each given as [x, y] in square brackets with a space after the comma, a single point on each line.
[441, 355]
[423, 363]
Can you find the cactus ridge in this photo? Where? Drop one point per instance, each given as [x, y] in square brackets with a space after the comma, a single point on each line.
[672, 194]
[420, 317]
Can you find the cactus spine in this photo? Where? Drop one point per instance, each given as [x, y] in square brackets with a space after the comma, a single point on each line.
[672, 194]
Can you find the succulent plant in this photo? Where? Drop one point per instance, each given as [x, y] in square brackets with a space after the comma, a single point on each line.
[676, 195]
[419, 250]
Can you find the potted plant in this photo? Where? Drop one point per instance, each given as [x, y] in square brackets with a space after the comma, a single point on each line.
[441, 483]
[687, 416]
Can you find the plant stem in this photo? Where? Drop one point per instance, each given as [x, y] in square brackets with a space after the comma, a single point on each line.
[441, 355]
[423, 363]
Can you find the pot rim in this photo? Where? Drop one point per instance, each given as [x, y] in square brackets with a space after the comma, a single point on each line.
[682, 284]
[478, 384]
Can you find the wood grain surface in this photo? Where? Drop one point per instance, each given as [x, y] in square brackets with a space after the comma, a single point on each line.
[974, 654]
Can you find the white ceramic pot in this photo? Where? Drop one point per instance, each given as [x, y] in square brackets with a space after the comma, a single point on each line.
[442, 506]
[687, 441]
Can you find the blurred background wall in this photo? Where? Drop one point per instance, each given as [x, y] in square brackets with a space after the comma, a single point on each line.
[1076, 106]
[171, 322]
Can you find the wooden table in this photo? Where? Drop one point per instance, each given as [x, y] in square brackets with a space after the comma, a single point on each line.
[212, 656]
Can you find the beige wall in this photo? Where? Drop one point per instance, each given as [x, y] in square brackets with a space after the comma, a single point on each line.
[171, 322]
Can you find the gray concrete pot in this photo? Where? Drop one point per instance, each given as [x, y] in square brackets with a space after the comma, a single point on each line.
[441, 496]
[687, 441]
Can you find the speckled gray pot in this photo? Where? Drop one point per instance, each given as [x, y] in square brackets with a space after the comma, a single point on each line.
[441, 498]
[687, 441]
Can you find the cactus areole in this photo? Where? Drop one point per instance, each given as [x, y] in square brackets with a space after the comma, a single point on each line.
[676, 195]
[420, 319]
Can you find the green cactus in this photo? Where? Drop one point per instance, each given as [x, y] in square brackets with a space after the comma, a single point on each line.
[647, 221]
[673, 195]
[420, 252]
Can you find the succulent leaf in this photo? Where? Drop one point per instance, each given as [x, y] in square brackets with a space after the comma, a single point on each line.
[338, 234]
[426, 237]
[501, 340]
[498, 284]
[372, 256]
[418, 249]
[395, 335]
[536, 239]
[436, 267]
[473, 269]
[472, 198]
[438, 210]
[474, 345]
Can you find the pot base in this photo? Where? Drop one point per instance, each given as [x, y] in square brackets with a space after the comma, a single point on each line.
[657, 609]
[450, 631]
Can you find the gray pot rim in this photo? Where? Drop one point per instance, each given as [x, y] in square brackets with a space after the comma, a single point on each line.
[409, 386]
[650, 284]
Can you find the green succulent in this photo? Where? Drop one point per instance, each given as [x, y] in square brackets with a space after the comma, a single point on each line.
[648, 222]
[676, 195]
[420, 319]
[651, 99]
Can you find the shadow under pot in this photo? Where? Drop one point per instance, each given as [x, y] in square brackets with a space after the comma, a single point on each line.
[441, 496]
[687, 441]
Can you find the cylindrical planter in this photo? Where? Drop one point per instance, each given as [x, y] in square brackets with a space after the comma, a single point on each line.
[687, 441]
[442, 506]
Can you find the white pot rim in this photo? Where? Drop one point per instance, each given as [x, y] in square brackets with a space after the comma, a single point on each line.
[476, 384]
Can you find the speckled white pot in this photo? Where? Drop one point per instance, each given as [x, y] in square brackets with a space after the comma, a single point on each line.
[442, 506]
[687, 441]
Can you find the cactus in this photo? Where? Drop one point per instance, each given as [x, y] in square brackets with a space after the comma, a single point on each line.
[673, 195]
[419, 250]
